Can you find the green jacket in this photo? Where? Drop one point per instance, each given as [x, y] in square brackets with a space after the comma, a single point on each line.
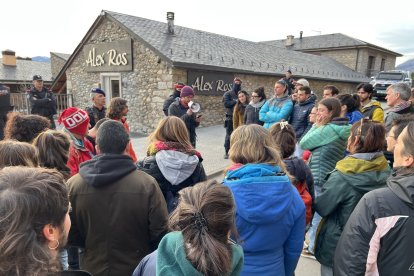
[353, 177]
[327, 144]
[172, 259]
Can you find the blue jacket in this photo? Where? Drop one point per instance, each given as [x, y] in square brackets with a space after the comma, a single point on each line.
[300, 116]
[354, 116]
[275, 110]
[270, 219]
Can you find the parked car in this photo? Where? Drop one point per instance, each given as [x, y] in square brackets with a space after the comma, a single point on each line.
[386, 78]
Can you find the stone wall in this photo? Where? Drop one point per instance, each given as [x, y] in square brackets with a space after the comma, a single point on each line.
[145, 87]
[151, 81]
[346, 57]
[56, 64]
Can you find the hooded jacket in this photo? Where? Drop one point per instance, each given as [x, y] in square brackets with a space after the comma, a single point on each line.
[354, 176]
[270, 219]
[373, 111]
[276, 110]
[327, 144]
[118, 214]
[173, 170]
[379, 236]
[171, 259]
[180, 111]
[354, 116]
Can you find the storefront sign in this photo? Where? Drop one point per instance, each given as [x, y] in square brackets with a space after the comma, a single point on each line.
[210, 83]
[109, 57]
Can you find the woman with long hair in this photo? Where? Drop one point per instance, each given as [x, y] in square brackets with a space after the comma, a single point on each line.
[251, 114]
[34, 220]
[327, 142]
[172, 160]
[284, 136]
[53, 147]
[270, 214]
[239, 108]
[199, 243]
[363, 170]
[15, 153]
[350, 105]
[117, 110]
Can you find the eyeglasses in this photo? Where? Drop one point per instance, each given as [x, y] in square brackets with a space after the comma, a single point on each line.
[255, 96]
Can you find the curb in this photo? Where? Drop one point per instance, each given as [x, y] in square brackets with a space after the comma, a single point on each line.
[216, 173]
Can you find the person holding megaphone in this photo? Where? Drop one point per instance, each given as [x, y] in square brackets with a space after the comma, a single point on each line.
[184, 108]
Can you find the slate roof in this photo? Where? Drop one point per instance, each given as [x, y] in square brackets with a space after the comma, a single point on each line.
[189, 48]
[327, 41]
[24, 71]
[61, 55]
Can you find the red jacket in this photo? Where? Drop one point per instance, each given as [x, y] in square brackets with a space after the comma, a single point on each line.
[79, 155]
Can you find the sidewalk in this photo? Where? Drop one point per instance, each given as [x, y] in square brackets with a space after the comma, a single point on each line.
[210, 141]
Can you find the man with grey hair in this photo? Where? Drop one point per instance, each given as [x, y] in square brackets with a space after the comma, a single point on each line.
[119, 214]
[97, 110]
[398, 96]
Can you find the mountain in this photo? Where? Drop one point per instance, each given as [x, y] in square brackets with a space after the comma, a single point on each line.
[406, 66]
[41, 59]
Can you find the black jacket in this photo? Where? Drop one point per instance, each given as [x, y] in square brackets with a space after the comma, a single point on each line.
[379, 233]
[229, 101]
[95, 114]
[169, 101]
[299, 119]
[251, 113]
[42, 103]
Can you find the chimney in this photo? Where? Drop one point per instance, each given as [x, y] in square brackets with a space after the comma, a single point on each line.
[301, 33]
[9, 58]
[289, 40]
[170, 22]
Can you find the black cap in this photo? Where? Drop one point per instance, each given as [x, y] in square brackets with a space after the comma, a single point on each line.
[37, 77]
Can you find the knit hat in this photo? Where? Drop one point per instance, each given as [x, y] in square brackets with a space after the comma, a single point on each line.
[97, 90]
[303, 82]
[75, 120]
[187, 91]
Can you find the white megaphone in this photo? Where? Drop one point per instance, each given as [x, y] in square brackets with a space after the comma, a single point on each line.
[195, 107]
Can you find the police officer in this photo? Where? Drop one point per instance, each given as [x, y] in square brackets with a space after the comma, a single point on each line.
[42, 101]
[97, 110]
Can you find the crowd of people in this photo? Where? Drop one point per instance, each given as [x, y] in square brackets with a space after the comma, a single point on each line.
[329, 179]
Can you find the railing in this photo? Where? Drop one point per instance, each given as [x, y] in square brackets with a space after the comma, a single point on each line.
[21, 104]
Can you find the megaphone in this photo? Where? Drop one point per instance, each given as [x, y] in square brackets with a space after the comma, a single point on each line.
[195, 107]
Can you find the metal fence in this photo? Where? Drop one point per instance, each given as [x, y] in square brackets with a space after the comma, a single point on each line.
[20, 102]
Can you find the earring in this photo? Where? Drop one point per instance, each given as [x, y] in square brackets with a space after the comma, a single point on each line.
[55, 247]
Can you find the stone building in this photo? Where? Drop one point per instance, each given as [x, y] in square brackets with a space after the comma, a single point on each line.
[363, 57]
[140, 59]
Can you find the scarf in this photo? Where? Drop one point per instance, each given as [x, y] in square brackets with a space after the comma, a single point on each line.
[155, 147]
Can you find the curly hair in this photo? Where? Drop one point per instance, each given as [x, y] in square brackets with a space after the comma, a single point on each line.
[30, 199]
[24, 128]
[115, 108]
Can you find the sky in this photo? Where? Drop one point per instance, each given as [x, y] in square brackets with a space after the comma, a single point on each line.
[38, 27]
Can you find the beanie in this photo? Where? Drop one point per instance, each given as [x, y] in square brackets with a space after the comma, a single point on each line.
[187, 91]
[75, 120]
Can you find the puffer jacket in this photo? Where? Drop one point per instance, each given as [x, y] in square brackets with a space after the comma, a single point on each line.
[276, 110]
[270, 218]
[327, 144]
[300, 117]
[354, 176]
[378, 237]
